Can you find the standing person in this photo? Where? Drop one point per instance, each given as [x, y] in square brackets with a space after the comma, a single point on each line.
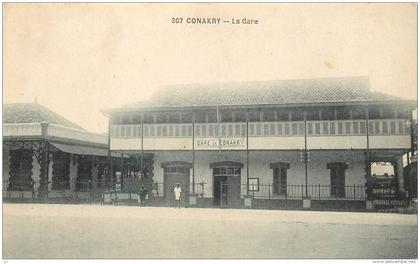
[177, 192]
[142, 194]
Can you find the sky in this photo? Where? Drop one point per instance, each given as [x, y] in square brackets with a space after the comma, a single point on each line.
[77, 59]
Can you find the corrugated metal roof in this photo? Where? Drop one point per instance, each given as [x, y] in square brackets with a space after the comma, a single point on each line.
[326, 90]
[33, 113]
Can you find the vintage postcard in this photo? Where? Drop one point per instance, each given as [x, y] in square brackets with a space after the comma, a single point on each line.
[210, 131]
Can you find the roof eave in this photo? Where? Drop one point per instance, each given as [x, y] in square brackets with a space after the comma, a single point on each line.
[109, 111]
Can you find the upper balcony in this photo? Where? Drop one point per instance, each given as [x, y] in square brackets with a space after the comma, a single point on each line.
[288, 135]
[34, 130]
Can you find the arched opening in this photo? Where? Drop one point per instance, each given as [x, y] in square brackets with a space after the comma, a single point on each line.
[176, 172]
[226, 183]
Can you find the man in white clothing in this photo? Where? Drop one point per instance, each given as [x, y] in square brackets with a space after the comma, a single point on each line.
[177, 192]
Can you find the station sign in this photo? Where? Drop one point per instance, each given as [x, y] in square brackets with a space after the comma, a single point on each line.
[224, 143]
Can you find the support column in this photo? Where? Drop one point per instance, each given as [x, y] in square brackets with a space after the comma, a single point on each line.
[94, 172]
[73, 174]
[400, 173]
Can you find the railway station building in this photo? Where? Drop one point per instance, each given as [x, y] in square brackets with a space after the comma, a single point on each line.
[295, 143]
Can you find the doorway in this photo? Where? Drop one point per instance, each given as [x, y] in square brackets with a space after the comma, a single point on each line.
[226, 184]
[176, 172]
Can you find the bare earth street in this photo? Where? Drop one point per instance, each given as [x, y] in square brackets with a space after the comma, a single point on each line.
[96, 231]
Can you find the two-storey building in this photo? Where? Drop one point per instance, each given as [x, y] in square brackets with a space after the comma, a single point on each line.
[277, 141]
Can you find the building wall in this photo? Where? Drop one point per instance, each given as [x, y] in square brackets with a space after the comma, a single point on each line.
[259, 166]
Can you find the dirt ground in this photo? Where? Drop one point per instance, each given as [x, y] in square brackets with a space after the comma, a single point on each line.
[97, 231]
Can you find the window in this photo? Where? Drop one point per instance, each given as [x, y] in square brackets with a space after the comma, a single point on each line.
[401, 127]
[294, 129]
[272, 129]
[297, 115]
[186, 117]
[243, 130]
[211, 130]
[337, 179]
[269, 116]
[388, 113]
[161, 118]
[374, 113]
[136, 119]
[356, 127]
[174, 117]
[200, 117]
[177, 131]
[258, 129]
[240, 116]
[312, 114]
[340, 128]
[343, 114]
[377, 128]
[265, 129]
[301, 129]
[148, 118]
[237, 130]
[348, 128]
[332, 128]
[279, 129]
[204, 130]
[393, 127]
[283, 115]
[197, 130]
[254, 116]
[324, 128]
[226, 116]
[362, 127]
[125, 119]
[251, 129]
[359, 113]
[286, 129]
[310, 128]
[327, 114]
[280, 177]
[385, 127]
[317, 128]
[212, 116]
[223, 130]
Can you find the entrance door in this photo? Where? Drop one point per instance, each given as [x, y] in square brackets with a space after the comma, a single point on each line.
[337, 174]
[176, 172]
[227, 186]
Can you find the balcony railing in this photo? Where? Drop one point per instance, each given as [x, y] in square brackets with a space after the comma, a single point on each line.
[16, 130]
[264, 129]
[53, 130]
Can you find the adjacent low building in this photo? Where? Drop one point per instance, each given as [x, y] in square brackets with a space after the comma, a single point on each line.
[46, 155]
[319, 140]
